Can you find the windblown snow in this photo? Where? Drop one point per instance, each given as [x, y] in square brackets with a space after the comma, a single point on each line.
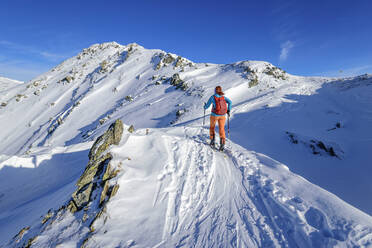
[173, 190]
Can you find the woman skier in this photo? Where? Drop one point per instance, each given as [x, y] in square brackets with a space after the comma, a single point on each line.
[221, 106]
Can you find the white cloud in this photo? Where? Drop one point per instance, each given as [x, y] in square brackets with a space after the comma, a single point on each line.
[21, 70]
[20, 67]
[30, 50]
[52, 56]
[285, 49]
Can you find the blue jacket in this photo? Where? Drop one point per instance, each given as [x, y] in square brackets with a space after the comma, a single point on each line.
[212, 101]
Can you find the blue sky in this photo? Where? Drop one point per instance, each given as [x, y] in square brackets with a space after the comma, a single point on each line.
[332, 38]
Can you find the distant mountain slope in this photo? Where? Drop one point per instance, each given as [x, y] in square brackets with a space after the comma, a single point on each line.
[6, 83]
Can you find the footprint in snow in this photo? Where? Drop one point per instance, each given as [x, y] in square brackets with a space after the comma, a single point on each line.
[297, 202]
[318, 220]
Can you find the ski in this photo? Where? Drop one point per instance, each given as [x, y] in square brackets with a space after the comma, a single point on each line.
[224, 151]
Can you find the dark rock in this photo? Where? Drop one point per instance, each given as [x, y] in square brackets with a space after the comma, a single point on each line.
[98, 216]
[93, 189]
[332, 152]
[109, 173]
[175, 80]
[180, 112]
[93, 169]
[313, 149]
[103, 66]
[98, 161]
[82, 197]
[111, 137]
[67, 79]
[248, 70]
[114, 190]
[179, 61]
[322, 146]
[47, 217]
[104, 192]
[72, 207]
[253, 82]
[168, 59]
[292, 138]
[21, 233]
[275, 72]
[129, 98]
[30, 242]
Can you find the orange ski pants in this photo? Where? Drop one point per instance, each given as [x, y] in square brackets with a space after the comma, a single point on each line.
[221, 126]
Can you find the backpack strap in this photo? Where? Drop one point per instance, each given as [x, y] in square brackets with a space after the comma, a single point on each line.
[215, 104]
[216, 99]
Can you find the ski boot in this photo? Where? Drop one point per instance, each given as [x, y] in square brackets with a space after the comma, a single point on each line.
[222, 145]
[212, 144]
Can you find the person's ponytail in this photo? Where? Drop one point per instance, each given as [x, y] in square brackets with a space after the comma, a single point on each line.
[219, 91]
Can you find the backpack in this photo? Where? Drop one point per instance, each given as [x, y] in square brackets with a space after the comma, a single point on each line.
[221, 105]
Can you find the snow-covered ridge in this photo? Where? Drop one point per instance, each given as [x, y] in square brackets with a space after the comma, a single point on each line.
[173, 190]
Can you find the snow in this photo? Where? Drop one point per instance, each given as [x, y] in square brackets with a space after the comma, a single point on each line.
[7, 83]
[32, 185]
[179, 176]
[174, 190]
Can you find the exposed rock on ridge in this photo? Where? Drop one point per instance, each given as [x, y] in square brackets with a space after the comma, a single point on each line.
[94, 190]
[98, 169]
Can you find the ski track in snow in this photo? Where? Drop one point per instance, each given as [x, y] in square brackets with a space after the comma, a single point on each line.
[213, 199]
[189, 195]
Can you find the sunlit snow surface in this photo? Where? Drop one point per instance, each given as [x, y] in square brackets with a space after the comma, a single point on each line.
[175, 190]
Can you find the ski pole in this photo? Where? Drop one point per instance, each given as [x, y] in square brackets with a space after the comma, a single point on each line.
[204, 116]
[228, 126]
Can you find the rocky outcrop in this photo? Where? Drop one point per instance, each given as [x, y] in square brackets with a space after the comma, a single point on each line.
[317, 147]
[176, 81]
[103, 66]
[67, 79]
[20, 234]
[131, 129]
[98, 170]
[30, 242]
[275, 72]
[253, 81]
[95, 188]
[162, 60]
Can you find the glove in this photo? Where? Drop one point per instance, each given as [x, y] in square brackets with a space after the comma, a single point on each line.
[228, 113]
[205, 104]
